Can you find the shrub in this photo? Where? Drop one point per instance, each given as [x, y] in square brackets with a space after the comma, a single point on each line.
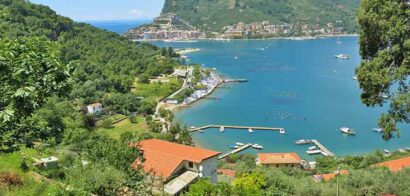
[107, 123]
[10, 179]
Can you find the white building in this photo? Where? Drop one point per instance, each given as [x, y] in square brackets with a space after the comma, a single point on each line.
[176, 165]
[94, 108]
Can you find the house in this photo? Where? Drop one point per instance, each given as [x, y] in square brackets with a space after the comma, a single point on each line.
[176, 165]
[180, 73]
[396, 165]
[279, 160]
[330, 176]
[94, 108]
[49, 162]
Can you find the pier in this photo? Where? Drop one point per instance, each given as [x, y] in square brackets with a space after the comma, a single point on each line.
[235, 80]
[235, 151]
[236, 127]
[325, 152]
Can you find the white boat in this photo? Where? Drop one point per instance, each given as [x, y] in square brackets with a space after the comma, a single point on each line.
[282, 131]
[401, 150]
[310, 152]
[347, 131]
[236, 57]
[386, 151]
[239, 144]
[339, 42]
[192, 127]
[257, 146]
[201, 131]
[250, 130]
[342, 56]
[354, 78]
[312, 148]
[303, 141]
[222, 129]
[379, 130]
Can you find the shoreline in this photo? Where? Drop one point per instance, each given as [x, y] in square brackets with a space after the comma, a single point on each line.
[296, 38]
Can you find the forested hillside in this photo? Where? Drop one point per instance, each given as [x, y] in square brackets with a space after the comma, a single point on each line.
[104, 62]
[212, 15]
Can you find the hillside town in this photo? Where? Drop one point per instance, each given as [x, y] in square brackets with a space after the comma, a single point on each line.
[171, 27]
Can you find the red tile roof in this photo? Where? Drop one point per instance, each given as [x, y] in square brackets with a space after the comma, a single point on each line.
[279, 158]
[396, 165]
[330, 176]
[162, 158]
[227, 172]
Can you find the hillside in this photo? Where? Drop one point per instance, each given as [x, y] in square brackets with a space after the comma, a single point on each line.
[104, 62]
[213, 15]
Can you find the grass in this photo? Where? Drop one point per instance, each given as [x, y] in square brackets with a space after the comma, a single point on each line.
[157, 90]
[125, 126]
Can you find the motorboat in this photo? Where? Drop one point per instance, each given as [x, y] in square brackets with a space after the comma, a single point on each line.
[312, 148]
[342, 56]
[233, 146]
[354, 78]
[257, 146]
[239, 144]
[282, 131]
[379, 130]
[311, 152]
[250, 130]
[386, 151]
[222, 129]
[303, 141]
[401, 150]
[347, 131]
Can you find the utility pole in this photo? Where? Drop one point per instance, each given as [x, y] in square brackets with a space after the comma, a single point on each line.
[337, 177]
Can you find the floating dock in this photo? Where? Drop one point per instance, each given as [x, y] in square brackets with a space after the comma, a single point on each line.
[236, 127]
[235, 151]
[325, 152]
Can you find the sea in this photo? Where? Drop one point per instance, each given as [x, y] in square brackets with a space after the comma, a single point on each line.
[118, 26]
[297, 85]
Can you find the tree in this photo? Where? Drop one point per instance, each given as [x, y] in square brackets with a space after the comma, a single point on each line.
[385, 49]
[249, 184]
[202, 187]
[30, 72]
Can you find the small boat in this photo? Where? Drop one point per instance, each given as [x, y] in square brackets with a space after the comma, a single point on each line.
[354, 78]
[250, 130]
[401, 150]
[222, 129]
[303, 141]
[282, 131]
[236, 57]
[379, 130]
[192, 127]
[339, 42]
[312, 148]
[257, 146]
[386, 151]
[310, 152]
[233, 146]
[342, 56]
[239, 144]
[347, 131]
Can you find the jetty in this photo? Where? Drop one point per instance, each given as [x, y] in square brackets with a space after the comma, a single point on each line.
[235, 80]
[325, 152]
[235, 151]
[236, 127]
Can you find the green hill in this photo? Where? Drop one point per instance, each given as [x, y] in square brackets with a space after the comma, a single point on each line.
[213, 15]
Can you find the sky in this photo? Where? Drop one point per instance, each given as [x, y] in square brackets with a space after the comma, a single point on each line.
[96, 10]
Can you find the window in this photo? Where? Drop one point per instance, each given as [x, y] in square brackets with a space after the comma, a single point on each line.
[190, 165]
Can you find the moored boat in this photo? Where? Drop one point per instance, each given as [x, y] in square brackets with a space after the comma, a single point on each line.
[239, 144]
[222, 129]
[312, 148]
[303, 141]
[311, 152]
[257, 146]
[379, 130]
[250, 130]
[386, 151]
[282, 131]
[347, 131]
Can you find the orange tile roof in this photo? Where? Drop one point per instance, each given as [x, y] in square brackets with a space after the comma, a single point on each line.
[330, 176]
[162, 158]
[227, 172]
[279, 158]
[396, 165]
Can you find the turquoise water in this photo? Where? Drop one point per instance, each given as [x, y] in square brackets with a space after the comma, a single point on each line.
[297, 85]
